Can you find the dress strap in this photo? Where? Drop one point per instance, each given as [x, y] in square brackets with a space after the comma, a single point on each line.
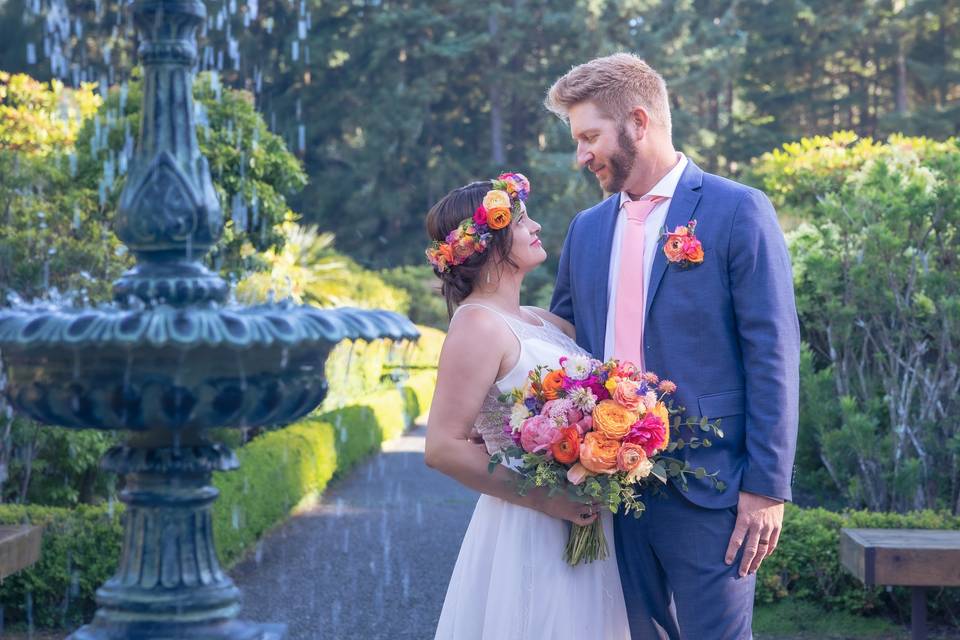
[504, 316]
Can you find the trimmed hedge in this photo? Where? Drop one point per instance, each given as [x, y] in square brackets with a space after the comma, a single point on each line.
[78, 553]
[806, 564]
[280, 468]
[81, 546]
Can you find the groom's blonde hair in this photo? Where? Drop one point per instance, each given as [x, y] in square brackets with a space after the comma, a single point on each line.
[616, 85]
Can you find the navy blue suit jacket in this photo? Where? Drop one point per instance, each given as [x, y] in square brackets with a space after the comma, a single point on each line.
[725, 331]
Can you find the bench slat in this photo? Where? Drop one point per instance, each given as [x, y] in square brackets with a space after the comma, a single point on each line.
[903, 557]
[19, 548]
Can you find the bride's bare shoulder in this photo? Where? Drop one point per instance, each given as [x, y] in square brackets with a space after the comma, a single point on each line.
[560, 323]
[477, 325]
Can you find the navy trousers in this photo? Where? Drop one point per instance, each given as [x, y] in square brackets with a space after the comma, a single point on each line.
[675, 582]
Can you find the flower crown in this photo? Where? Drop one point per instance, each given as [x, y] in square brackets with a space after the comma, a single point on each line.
[473, 234]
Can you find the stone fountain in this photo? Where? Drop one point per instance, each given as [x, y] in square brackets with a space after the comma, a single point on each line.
[170, 359]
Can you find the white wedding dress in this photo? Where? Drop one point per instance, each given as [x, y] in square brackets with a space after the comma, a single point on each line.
[511, 581]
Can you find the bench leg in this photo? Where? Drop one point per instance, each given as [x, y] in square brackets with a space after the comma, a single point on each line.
[918, 614]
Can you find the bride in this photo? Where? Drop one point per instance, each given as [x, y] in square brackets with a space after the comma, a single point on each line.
[510, 580]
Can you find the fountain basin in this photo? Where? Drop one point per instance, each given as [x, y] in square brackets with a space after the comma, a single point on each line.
[179, 369]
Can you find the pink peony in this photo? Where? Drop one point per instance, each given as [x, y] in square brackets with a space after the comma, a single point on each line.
[650, 432]
[538, 433]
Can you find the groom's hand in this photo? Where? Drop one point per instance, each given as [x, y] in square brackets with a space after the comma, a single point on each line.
[759, 520]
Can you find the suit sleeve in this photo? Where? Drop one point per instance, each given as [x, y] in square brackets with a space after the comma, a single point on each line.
[768, 330]
[562, 301]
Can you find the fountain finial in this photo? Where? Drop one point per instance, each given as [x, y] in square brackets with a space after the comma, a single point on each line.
[169, 214]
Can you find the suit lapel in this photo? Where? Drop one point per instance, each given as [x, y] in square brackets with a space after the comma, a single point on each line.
[601, 246]
[682, 206]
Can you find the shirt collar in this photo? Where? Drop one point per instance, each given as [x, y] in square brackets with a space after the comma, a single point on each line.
[667, 185]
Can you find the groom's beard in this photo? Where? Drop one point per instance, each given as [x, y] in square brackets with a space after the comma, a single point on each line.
[621, 162]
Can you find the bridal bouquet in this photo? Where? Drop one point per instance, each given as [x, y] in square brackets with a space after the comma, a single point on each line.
[600, 430]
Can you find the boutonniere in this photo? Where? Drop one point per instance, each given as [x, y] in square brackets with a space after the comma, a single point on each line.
[682, 247]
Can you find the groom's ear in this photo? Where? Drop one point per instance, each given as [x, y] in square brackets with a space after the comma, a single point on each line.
[640, 120]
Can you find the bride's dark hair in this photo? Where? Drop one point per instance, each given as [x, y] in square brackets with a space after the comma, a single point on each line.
[457, 282]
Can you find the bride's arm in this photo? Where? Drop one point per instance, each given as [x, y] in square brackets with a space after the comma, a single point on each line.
[469, 364]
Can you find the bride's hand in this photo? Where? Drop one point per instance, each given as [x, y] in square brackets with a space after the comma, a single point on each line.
[566, 508]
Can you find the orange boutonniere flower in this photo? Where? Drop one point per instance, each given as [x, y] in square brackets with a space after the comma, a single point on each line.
[682, 247]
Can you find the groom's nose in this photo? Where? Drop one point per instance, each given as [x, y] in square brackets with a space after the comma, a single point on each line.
[583, 156]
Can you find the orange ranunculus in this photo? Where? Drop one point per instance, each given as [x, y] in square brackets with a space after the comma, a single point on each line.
[626, 394]
[552, 384]
[632, 459]
[673, 248]
[567, 449]
[599, 454]
[498, 218]
[447, 252]
[612, 419]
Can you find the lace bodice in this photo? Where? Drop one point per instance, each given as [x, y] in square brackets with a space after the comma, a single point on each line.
[541, 344]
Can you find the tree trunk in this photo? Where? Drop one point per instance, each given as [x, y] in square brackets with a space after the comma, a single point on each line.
[5, 451]
[901, 87]
[497, 153]
[28, 465]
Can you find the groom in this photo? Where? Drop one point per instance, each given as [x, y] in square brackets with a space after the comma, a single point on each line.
[722, 325]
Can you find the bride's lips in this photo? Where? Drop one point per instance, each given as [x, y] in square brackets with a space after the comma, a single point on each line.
[536, 242]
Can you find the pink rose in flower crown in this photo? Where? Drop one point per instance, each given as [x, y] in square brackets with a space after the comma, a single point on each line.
[625, 394]
[480, 216]
[650, 432]
[538, 433]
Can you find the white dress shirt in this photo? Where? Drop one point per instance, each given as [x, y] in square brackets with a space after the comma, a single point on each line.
[651, 233]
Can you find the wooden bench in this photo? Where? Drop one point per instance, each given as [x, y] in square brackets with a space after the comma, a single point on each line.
[916, 558]
[19, 548]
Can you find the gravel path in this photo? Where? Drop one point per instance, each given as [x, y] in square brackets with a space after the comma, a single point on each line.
[371, 560]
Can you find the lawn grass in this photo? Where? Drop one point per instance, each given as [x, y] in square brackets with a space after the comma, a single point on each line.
[798, 620]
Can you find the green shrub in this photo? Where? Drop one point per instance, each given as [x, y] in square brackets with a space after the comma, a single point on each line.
[79, 551]
[806, 564]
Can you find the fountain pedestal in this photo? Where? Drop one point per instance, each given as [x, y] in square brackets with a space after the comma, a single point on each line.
[169, 583]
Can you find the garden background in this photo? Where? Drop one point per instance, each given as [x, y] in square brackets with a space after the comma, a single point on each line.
[332, 126]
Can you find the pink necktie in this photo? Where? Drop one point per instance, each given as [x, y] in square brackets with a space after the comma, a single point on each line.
[631, 294]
